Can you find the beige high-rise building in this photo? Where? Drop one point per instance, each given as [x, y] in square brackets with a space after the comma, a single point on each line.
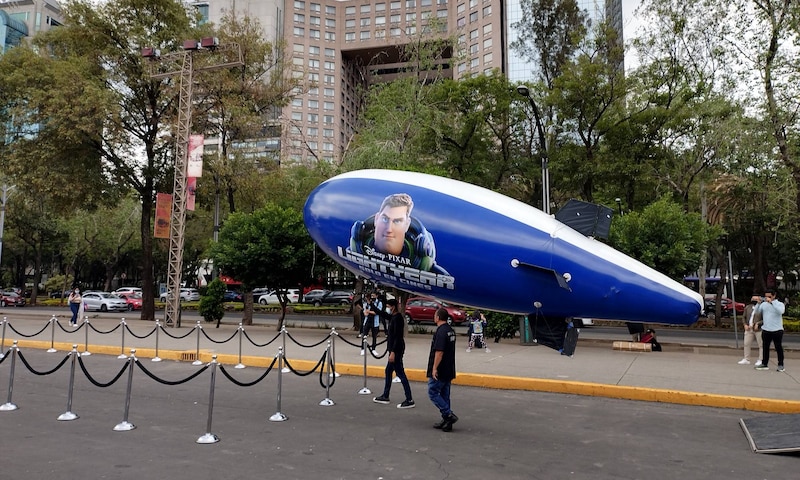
[343, 47]
[22, 19]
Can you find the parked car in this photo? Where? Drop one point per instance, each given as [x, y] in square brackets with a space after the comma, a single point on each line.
[11, 299]
[128, 290]
[271, 298]
[104, 302]
[231, 296]
[328, 297]
[257, 292]
[57, 294]
[187, 295]
[422, 309]
[727, 306]
[134, 300]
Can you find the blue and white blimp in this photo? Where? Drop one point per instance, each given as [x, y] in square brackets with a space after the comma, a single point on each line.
[471, 246]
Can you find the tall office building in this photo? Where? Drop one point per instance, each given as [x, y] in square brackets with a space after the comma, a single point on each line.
[20, 19]
[341, 47]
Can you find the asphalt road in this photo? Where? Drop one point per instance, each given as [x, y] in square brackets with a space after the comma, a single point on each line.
[500, 434]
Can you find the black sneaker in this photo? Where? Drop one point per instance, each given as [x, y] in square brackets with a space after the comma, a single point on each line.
[439, 425]
[381, 399]
[407, 404]
[448, 422]
[762, 367]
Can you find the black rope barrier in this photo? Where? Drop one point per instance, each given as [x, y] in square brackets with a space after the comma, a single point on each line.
[248, 384]
[322, 373]
[311, 345]
[36, 372]
[28, 336]
[68, 331]
[106, 333]
[140, 337]
[168, 382]
[101, 384]
[218, 341]
[304, 374]
[349, 342]
[177, 337]
[277, 335]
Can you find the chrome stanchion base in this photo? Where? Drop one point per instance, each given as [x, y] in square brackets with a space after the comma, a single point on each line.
[155, 359]
[86, 353]
[124, 427]
[122, 356]
[67, 416]
[2, 356]
[208, 438]
[198, 362]
[240, 365]
[278, 417]
[365, 391]
[285, 370]
[7, 407]
[327, 402]
[396, 380]
[51, 350]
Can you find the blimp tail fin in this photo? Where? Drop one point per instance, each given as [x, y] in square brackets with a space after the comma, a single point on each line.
[548, 272]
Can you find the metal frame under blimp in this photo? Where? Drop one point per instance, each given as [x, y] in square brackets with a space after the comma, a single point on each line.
[471, 246]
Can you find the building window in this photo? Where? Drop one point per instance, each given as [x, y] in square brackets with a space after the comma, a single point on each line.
[329, 92]
[313, 50]
[380, 7]
[487, 10]
[462, 67]
[473, 3]
[315, 7]
[473, 49]
[313, 91]
[461, 22]
[327, 146]
[366, 8]
[312, 131]
[487, 28]
[297, 116]
[441, 13]
[327, 119]
[411, 30]
[297, 61]
[425, 3]
[487, 43]
[314, 21]
[351, 10]
[487, 59]
[299, 47]
[395, 5]
[330, 66]
[300, 5]
[327, 132]
[330, 9]
[395, 18]
[330, 80]
[313, 33]
[330, 52]
[462, 7]
[365, 22]
[473, 17]
[327, 106]
[350, 23]
[330, 22]
[473, 34]
[365, 35]
[472, 63]
[299, 31]
[312, 63]
[299, 18]
[313, 118]
[411, 3]
[297, 102]
[330, 36]
[350, 37]
[411, 17]
[381, 33]
[381, 20]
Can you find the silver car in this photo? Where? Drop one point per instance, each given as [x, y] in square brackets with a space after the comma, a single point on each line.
[104, 302]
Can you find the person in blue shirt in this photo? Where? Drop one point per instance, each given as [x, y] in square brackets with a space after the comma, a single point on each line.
[771, 310]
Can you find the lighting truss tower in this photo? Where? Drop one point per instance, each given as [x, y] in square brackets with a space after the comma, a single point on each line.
[183, 64]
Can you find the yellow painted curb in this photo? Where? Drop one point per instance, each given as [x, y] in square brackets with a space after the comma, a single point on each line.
[498, 382]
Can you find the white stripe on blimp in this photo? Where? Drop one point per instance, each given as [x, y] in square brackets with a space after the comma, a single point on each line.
[522, 213]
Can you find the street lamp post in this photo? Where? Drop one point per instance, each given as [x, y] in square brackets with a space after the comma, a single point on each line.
[525, 92]
[619, 205]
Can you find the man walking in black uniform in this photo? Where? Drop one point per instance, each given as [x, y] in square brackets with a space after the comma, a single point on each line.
[442, 369]
[396, 347]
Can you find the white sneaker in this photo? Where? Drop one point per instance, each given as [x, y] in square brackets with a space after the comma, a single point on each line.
[362, 352]
[758, 363]
[488, 351]
[469, 350]
[745, 361]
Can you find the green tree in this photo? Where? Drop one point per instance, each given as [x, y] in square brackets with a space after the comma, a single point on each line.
[267, 247]
[212, 303]
[663, 237]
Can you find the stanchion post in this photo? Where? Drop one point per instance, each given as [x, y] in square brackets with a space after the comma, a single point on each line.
[241, 331]
[209, 437]
[327, 402]
[122, 351]
[3, 341]
[278, 416]
[86, 351]
[284, 333]
[197, 360]
[68, 415]
[9, 405]
[334, 334]
[125, 425]
[52, 348]
[364, 390]
[158, 327]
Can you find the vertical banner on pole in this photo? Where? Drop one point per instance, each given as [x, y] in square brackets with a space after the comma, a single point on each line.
[163, 215]
[191, 188]
[195, 153]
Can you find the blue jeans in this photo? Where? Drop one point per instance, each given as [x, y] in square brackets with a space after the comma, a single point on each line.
[397, 367]
[439, 393]
[74, 307]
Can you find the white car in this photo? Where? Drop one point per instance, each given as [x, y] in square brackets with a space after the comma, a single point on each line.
[187, 295]
[136, 290]
[271, 298]
[104, 302]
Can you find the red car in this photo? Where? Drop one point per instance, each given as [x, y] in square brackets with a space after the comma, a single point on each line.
[11, 299]
[422, 309]
[727, 306]
[134, 300]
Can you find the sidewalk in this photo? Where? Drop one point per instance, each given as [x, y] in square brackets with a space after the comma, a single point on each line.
[682, 374]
